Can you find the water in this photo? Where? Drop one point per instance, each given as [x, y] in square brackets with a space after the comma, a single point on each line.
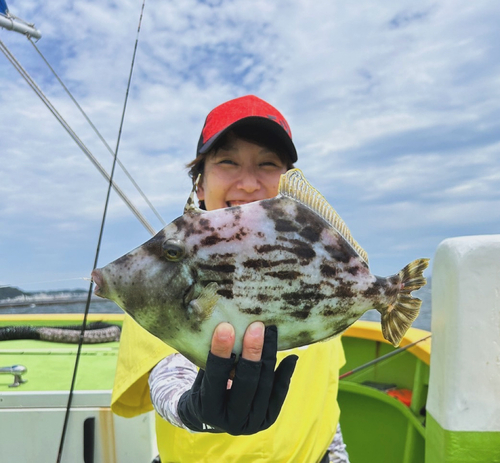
[76, 307]
[423, 321]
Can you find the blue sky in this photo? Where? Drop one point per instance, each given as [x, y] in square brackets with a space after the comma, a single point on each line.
[394, 108]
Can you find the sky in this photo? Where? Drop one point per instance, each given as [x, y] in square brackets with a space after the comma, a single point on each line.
[394, 108]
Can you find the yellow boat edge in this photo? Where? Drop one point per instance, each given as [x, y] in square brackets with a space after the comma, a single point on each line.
[360, 329]
[372, 330]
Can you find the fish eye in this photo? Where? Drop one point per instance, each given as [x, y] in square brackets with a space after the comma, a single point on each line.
[173, 250]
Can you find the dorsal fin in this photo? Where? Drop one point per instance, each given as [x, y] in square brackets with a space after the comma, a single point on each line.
[190, 203]
[294, 185]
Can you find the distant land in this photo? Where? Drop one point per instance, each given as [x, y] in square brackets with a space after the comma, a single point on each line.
[15, 297]
[15, 300]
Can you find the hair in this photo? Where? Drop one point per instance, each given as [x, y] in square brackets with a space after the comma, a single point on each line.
[251, 133]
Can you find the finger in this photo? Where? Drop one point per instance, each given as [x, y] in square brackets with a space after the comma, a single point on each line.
[247, 381]
[223, 340]
[242, 392]
[253, 342]
[266, 379]
[282, 377]
[213, 390]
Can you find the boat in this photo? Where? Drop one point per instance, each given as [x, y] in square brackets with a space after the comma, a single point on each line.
[438, 404]
[38, 405]
[10, 22]
[35, 379]
[383, 407]
[414, 404]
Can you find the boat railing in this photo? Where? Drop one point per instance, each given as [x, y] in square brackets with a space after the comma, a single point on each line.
[18, 371]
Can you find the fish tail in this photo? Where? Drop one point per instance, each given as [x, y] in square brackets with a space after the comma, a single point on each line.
[398, 317]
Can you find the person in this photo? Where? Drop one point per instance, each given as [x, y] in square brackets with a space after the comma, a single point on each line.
[289, 414]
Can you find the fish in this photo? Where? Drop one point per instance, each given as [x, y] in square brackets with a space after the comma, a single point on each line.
[288, 261]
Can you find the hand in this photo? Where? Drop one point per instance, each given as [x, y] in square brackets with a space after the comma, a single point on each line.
[254, 401]
[253, 341]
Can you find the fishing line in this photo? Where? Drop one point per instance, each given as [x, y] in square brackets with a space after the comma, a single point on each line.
[73, 135]
[94, 128]
[87, 307]
[382, 358]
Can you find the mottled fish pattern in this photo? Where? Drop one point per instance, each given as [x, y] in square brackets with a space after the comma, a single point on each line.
[288, 261]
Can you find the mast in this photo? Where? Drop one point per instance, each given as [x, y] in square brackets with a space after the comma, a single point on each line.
[12, 23]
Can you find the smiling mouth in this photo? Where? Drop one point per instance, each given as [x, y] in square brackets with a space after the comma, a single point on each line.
[237, 203]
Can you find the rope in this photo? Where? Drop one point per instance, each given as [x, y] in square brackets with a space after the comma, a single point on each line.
[95, 333]
[73, 135]
[87, 307]
[94, 128]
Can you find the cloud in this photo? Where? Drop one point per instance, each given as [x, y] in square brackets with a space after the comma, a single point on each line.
[393, 108]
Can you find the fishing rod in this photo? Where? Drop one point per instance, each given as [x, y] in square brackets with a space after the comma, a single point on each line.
[106, 203]
[384, 357]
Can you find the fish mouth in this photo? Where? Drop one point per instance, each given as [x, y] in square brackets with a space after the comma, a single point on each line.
[188, 295]
[99, 282]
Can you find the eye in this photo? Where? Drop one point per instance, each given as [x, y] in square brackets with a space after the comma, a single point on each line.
[173, 250]
[229, 162]
[269, 163]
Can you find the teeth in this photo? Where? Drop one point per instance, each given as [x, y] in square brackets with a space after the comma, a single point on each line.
[237, 203]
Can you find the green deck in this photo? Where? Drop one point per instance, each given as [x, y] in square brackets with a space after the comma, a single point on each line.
[378, 428]
[50, 365]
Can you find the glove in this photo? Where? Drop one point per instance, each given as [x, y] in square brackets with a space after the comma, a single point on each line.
[254, 401]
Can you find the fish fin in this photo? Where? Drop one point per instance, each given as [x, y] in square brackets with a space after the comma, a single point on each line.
[294, 185]
[203, 306]
[398, 317]
[190, 203]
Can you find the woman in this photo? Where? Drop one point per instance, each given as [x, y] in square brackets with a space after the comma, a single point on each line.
[244, 148]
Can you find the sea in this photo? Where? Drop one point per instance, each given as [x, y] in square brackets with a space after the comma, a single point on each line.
[423, 321]
[73, 307]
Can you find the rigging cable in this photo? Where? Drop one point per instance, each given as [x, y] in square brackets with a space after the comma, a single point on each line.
[73, 135]
[94, 128]
[382, 358]
[87, 307]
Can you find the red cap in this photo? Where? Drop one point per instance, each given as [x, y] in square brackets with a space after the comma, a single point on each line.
[241, 111]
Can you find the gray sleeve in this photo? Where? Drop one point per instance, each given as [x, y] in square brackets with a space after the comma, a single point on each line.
[175, 374]
[168, 380]
[337, 452]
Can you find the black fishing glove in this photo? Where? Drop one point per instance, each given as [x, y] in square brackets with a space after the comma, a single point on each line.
[254, 401]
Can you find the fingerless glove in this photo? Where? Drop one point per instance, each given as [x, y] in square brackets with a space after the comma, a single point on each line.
[254, 401]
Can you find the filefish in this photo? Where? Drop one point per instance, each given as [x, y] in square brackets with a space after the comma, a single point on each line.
[288, 261]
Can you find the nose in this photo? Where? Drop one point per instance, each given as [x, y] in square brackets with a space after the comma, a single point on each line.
[249, 181]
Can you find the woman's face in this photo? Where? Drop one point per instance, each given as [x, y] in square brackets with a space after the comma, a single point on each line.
[239, 172]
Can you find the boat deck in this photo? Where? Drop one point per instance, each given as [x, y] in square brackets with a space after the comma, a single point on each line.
[50, 365]
[377, 426]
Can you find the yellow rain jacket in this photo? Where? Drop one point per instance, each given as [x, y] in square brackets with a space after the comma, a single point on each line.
[302, 432]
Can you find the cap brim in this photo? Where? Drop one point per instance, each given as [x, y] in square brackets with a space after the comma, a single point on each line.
[255, 121]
